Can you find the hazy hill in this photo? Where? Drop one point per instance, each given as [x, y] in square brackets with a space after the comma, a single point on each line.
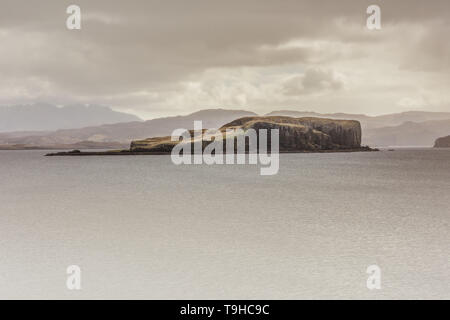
[126, 132]
[47, 117]
[402, 129]
[368, 122]
[443, 142]
[407, 134]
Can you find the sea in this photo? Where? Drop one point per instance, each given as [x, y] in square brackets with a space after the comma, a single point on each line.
[140, 227]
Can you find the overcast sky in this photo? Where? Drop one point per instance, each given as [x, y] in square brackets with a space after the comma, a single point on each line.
[159, 58]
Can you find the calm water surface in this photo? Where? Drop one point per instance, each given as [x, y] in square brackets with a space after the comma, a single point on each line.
[141, 227]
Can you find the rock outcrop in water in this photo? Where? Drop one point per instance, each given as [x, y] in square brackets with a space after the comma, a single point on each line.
[443, 142]
[296, 134]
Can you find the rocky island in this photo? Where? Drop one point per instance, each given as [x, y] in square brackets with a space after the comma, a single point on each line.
[295, 135]
[443, 142]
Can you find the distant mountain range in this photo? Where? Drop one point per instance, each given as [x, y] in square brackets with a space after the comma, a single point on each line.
[412, 128]
[409, 133]
[415, 128]
[48, 117]
[124, 132]
[368, 122]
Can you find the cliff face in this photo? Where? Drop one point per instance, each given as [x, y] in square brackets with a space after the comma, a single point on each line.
[443, 142]
[300, 134]
[296, 134]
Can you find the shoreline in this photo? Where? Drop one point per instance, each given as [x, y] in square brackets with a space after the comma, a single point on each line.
[78, 153]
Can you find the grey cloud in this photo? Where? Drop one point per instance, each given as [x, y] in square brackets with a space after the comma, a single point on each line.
[128, 47]
[313, 81]
[431, 50]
